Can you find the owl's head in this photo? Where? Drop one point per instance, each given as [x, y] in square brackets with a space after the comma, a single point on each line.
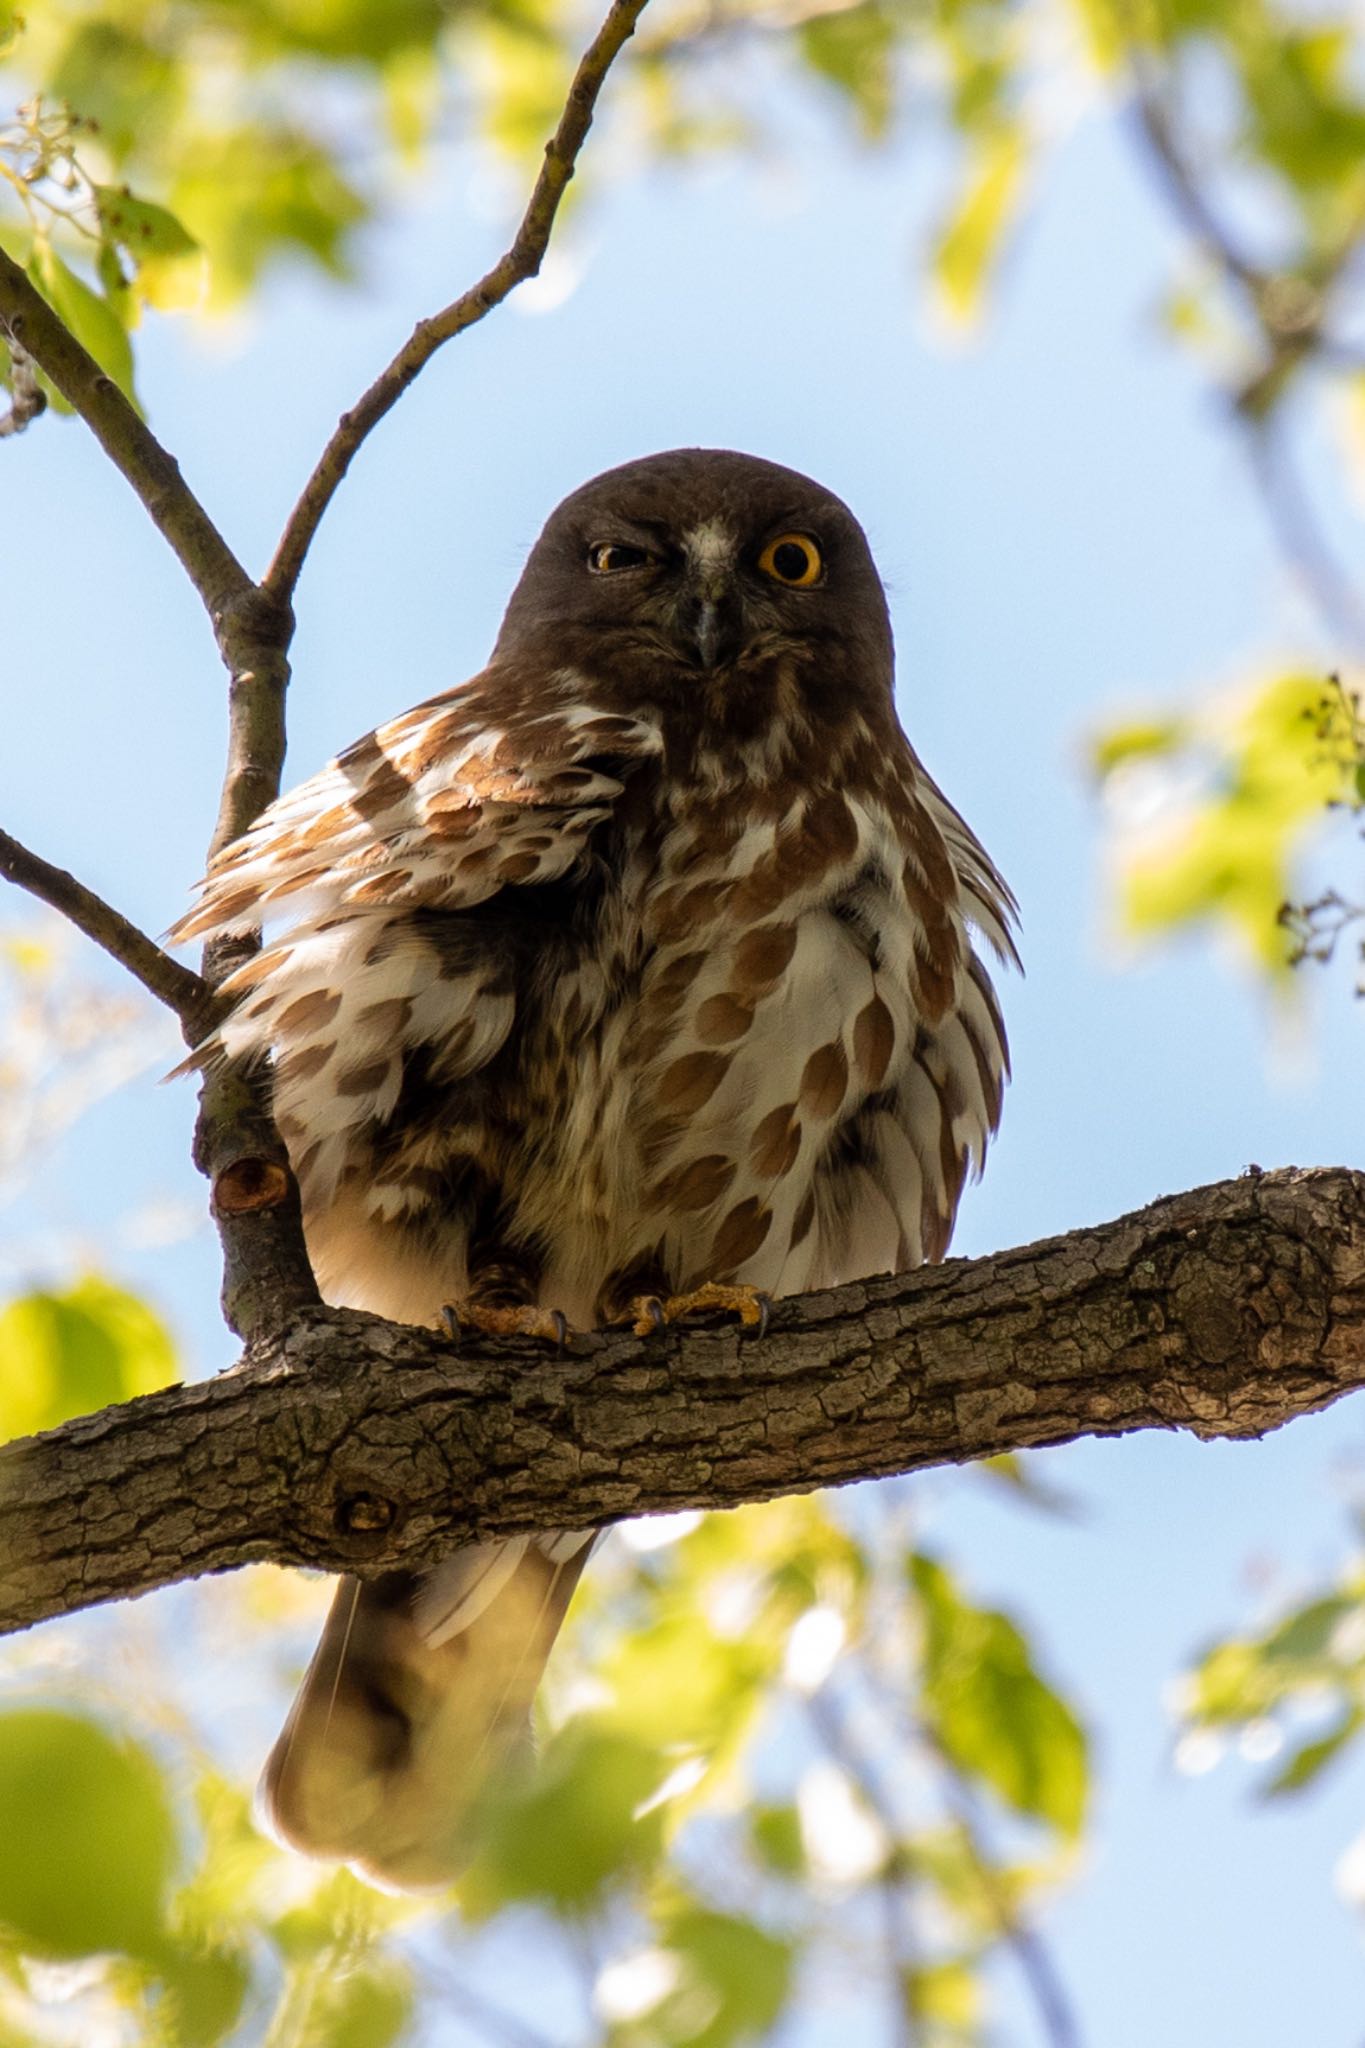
[703, 566]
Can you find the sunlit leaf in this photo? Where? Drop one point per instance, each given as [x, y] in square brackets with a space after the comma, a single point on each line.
[1261, 780]
[203, 1991]
[90, 318]
[855, 48]
[994, 1716]
[944, 1996]
[168, 262]
[571, 1832]
[733, 1983]
[68, 1354]
[1311, 1758]
[87, 1843]
[970, 241]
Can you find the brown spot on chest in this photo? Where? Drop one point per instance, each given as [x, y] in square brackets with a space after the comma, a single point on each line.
[722, 1018]
[824, 1078]
[692, 1081]
[874, 1041]
[776, 1143]
[761, 957]
[738, 1238]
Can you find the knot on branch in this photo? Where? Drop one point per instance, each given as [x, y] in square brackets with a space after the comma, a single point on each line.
[249, 1184]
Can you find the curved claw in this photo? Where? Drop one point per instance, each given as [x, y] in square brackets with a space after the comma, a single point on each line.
[561, 1323]
[450, 1323]
[764, 1304]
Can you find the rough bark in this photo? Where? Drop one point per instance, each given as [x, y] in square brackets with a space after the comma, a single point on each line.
[353, 1444]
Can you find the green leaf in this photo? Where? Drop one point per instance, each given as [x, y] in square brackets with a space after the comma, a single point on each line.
[1141, 740]
[734, 1979]
[90, 318]
[570, 1833]
[87, 1844]
[168, 262]
[970, 240]
[945, 1995]
[1311, 1758]
[994, 1717]
[204, 1990]
[68, 1354]
[1269, 773]
[776, 1835]
[365, 2007]
[855, 49]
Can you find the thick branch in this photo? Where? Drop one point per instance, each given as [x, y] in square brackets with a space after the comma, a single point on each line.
[520, 262]
[181, 990]
[354, 1444]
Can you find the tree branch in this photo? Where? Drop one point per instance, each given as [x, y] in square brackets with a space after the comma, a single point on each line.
[521, 261]
[183, 991]
[208, 561]
[352, 1444]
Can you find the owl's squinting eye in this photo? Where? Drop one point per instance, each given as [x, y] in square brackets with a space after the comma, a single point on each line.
[793, 559]
[606, 557]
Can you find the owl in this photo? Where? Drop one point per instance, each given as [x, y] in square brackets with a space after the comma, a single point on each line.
[637, 975]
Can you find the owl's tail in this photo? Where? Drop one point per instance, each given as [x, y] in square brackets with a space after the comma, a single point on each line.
[417, 1699]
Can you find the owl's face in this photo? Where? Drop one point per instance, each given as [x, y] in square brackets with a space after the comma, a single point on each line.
[701, 567]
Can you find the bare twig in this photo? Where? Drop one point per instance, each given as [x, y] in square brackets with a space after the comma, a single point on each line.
[208, 561]
[353, 1444]
[521, 261]
[181, 990]
[1181, 186]
[1030, 1951]
[1302, 543]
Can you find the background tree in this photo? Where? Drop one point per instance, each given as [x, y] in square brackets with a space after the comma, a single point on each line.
[277, 125]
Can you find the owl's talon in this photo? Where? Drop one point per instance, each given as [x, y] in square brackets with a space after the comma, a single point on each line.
[648, 1313]
[525, 1321]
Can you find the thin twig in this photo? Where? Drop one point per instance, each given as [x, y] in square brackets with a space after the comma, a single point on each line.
[178, 987]
[1030, 1950]
[1296, 528]
[1182, 187]
[521, 261]
[208, 561]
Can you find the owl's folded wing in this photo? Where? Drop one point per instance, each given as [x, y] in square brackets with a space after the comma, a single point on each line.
[466, 794]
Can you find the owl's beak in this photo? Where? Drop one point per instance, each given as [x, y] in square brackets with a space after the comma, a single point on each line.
[711, 627]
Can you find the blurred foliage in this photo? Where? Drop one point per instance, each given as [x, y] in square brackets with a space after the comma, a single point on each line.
[169, 155]
[1289, 1698]
[68, 1354]
[1215, 810]
[177, 149]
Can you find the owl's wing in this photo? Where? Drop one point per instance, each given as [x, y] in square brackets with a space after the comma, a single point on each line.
[484, 787]
[374, 863]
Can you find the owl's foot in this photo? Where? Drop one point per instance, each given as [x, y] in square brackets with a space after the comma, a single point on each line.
[524, 1321]
[650, 1312]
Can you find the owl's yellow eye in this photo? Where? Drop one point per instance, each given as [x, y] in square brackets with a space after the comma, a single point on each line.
[606, 557]
[793, 559]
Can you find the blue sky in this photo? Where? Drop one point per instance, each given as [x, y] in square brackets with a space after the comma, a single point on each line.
[1068, 532]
